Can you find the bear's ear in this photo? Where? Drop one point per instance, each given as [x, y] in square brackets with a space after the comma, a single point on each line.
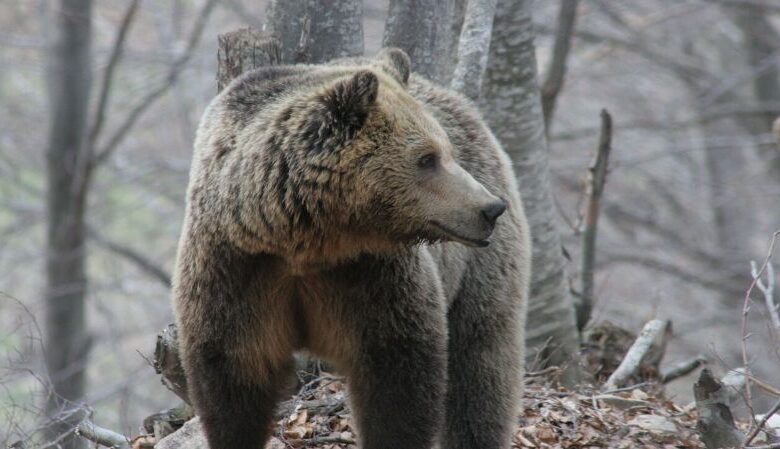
[340, 112]
[396, 63]
[348, 103]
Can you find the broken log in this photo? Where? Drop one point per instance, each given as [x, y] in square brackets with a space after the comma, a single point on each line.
[715, 423]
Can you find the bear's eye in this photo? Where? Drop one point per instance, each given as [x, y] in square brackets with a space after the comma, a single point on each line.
[427, 162]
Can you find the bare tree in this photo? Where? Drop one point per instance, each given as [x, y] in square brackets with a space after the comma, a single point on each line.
[316, 30]
[511, 101]
[556, 72]
[74, 153]
[67, 340]
[422, 28]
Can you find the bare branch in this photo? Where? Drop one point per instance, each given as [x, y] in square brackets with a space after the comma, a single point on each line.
[673, 270]
[108, 74]
[745, 311]
[597, 178]
[556, 72]
[684, 68]
[152, 97]
[762, 5]
[474, 46]
[133, 256]
[768, 289]
[754, 433]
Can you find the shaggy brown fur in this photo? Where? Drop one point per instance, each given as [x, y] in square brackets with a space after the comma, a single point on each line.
[322, 215]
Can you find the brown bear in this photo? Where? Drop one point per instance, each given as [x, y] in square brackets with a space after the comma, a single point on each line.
[370, 218]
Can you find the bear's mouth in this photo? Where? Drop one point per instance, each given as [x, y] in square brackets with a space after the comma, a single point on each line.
[452, 235]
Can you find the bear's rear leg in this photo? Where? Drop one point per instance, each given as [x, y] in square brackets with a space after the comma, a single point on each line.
[235, 412]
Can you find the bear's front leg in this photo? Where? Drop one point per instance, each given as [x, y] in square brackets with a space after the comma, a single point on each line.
[397, 379]
[486, 360]
[236, 412]
[236, 338]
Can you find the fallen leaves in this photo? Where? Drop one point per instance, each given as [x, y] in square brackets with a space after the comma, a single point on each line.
[556, 418]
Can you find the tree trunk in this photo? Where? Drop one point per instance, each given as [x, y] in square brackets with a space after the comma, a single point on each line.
[67, 340]
[473, 47]
[512, 105]
[422, 28]
[761, 39]
[316, 30]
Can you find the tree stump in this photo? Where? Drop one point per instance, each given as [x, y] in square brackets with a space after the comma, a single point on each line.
[243, 50]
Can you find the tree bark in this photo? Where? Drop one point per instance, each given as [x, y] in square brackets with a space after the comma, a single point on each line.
[511, 101]
[422, 28]
[335, 29]
[243, 50]
[67, 341]
[473, 47]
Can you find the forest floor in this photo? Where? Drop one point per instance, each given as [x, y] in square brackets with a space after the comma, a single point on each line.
[551, 418]
[637, 416]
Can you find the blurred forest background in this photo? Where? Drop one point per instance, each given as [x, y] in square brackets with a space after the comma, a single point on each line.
[693, 87]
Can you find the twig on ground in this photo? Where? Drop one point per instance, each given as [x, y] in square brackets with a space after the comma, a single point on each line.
[544, 372]
[327, 440]
[654, 331]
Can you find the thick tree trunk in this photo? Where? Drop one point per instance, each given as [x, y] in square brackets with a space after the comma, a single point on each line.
[511, 101]
[67, 340]
[422, 28]
[316, 30]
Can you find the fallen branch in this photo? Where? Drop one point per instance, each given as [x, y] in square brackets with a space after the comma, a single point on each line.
[681, 369]
[655, 331]
[715, 423]
[101, 436]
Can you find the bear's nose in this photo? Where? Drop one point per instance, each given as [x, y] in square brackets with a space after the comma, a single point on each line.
[493, 211]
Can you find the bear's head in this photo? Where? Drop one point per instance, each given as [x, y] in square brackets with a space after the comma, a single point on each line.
[358, 165]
